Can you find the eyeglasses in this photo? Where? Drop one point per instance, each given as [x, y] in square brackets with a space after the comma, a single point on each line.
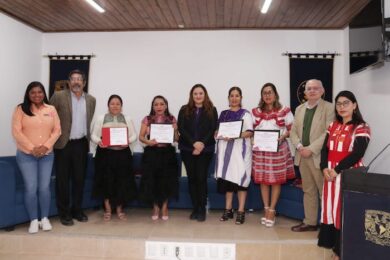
[343, 104]
[76, 79]
[314, 89]
[268, 93]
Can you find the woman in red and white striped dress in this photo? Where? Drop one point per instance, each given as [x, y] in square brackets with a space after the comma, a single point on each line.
[344, 146]
[271, 169]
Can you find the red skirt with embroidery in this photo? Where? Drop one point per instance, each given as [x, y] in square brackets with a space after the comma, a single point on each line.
[273, 167]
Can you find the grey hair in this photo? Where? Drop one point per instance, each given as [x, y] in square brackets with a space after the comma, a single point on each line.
[319, 82]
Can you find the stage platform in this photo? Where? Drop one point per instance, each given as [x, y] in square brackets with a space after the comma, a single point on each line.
[117, 239]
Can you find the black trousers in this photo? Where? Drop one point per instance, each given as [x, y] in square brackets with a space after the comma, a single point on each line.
[197, 167]
[70, 165]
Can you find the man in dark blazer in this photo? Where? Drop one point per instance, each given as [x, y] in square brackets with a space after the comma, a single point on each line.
[307, 134]
[75, 109]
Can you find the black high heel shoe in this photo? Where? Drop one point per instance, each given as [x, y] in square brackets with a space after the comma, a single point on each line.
[227, 214]
[240, 219]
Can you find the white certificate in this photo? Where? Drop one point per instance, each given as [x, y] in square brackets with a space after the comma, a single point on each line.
[230, 129]
[162, 133]
[266, 140]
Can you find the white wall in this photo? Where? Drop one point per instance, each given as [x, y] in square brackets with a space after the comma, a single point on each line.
[20, 63]
[372, 89]
[387, 8]
[140, 65]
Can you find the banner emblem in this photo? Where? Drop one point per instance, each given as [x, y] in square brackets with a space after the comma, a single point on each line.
[377, 227]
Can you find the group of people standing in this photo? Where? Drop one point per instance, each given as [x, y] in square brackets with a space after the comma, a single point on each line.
[328, 139]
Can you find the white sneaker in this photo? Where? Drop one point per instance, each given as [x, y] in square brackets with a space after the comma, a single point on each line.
[45, 224]
[33, 226]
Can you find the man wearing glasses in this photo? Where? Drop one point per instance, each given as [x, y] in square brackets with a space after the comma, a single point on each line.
[308, 131]
[75, 109]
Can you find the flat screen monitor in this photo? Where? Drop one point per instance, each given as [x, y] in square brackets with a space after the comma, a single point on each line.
[366, 42]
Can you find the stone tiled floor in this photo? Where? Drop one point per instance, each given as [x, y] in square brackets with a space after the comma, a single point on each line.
[117, 239]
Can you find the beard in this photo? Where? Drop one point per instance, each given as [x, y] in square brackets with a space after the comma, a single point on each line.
[76, 87]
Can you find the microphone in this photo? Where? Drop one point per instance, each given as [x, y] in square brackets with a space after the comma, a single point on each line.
[368, 166]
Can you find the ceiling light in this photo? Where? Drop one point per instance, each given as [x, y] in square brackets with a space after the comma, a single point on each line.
[181, 26]
[265, 7]
[96, 6]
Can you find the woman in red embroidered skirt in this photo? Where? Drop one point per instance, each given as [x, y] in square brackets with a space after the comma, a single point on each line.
[344, 146]
[271, 169]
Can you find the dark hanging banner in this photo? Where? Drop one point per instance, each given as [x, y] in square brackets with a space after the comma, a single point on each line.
[305, 67]
[60, 66]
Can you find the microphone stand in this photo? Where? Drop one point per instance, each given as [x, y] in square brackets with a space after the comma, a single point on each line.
[368, 166]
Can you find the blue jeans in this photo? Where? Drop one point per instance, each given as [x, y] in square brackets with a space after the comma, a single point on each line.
[36, 174]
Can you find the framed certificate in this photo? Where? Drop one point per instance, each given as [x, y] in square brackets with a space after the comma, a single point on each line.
[230, 129]
[162, 133]
[266, 140]
[115, 136]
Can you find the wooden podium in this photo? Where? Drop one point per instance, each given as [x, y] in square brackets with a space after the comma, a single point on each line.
[365, 230]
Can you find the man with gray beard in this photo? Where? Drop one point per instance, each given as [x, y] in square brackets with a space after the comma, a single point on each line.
[75, 109]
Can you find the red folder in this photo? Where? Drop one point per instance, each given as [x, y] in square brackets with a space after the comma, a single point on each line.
[106, 137]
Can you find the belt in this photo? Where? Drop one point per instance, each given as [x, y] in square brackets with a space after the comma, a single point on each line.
[78, 140]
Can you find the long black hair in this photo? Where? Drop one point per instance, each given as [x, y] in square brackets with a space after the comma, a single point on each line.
[357, 117]
[26, 105]
[166, 112]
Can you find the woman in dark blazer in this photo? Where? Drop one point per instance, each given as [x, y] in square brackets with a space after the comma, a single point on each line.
[197, 122]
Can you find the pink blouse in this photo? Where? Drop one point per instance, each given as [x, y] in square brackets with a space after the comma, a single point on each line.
[41, 129]
[147, 120]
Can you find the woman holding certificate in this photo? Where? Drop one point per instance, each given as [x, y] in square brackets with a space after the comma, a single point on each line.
[160, 180]
[197, 123]
[271, 167]
[345, 143]
[114, 179]
[234, 155]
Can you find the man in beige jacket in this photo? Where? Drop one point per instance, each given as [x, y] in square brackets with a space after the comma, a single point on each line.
[308, 132]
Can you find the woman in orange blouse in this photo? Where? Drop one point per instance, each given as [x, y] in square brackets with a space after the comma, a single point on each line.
[36, 127]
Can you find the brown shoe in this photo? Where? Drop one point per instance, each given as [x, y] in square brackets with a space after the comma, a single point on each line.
[303, 228]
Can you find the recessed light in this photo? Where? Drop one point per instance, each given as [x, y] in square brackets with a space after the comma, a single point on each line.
[96, 6]
[181, 26]
[265, 7]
